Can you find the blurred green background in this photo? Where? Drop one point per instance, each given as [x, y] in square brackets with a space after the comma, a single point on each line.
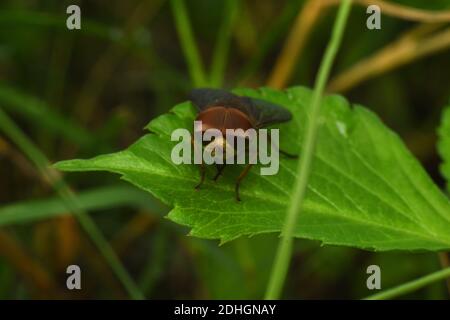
[79, 93]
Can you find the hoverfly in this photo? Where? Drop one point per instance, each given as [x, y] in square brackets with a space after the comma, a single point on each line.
[220, 109]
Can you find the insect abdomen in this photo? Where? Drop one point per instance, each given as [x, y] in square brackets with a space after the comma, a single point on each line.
[222, 118]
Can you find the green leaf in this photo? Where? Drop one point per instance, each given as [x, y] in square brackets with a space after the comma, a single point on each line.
[366, 190]
[444, 145]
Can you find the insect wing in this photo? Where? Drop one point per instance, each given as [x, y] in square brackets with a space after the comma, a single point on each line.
[205, 98]
[262, 113]
[265, 113]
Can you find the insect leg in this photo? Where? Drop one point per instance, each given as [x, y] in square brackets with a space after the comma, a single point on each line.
[289, 155]
[220, 168]
[202, 169]
[239, 179]
[202, 175]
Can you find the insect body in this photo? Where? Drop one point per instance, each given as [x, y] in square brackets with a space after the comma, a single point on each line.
[222, 110]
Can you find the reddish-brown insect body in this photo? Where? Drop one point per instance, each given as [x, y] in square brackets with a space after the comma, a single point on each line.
[222, 118]
[222, 110]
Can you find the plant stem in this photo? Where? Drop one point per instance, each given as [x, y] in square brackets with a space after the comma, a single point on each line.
[57, 182]
[444, 260]
[187, 42]
[268, 41]
[223, 43]
[284, 250]
[297, 38]
[412, 285]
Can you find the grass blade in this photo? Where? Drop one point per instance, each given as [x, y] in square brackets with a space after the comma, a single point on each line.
[223, 44]
[411, 286]
[101, 198]
[71, 201]
[24, 18]
[188, 44]
[284, 250]
[38, 113]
